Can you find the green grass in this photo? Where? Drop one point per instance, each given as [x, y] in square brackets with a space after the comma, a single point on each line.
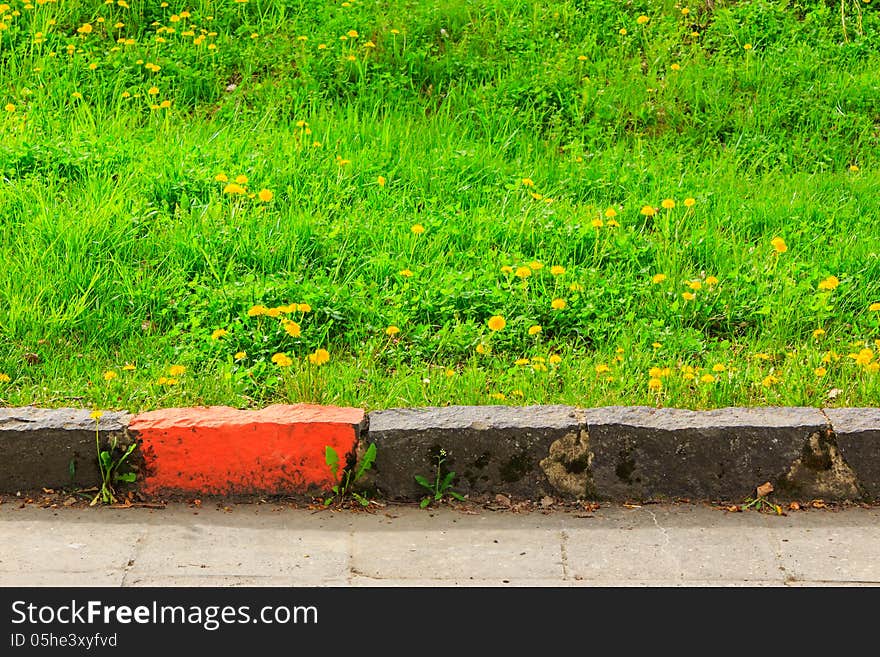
[506, 129]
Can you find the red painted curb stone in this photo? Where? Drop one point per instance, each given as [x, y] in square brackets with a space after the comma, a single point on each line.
[220, 450]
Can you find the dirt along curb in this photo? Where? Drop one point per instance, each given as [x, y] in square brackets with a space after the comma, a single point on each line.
[611, 453]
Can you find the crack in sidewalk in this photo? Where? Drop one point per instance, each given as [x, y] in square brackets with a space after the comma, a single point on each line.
[667, 541]
[563, 549]
[135, 553]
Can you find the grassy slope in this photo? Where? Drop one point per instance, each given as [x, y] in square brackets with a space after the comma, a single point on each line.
[120, 246]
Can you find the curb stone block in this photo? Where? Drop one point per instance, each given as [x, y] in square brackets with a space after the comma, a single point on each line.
[858, 438]
[220, 450]
[40, 447]
[492, 449]
[642, 453]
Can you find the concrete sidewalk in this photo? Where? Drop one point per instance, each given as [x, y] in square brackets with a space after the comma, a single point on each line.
[274, 545]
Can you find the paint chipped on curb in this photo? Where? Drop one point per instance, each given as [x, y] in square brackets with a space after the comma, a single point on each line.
[220, 450]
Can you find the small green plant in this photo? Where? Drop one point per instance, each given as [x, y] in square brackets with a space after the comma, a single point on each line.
[442, 484]
[344, 488]
[109, 466]
[760, 501]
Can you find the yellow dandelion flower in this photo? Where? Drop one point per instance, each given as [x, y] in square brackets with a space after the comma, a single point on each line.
[820, 372]
[535, 265]
[688, 296]
[695, 285]
[648, 211]
[9, 107]
[779, 245]
[528, 182]
[234, 188]
[265, 195]
[689, 202]
[406, 273]
[602, 368]
[864, 357]
[747, 46]
[707, 378]
[829, 283]
[769, 381]
[655, 384]
[610, 213]
[521, 361]
[641, 20]
[818, 333]
[320, 357]
[240, 355]
[675, 67]
[96, 415]
[381, 181]
[523, 272]
[153, 91]
[558, 304]
[483, 348]
[282, 360]
[667, 204]
[221, 177]
[303, 307]
[554, 359]
[219, 333]
[392, 330]
[718, 367]
[507, 269]
[711, 281]
[128, 367]
[557, 270]
[597, 223]
[293, 329]
[109, 375]
[535, 329]
[496, 323]
[658, 278]
[418, 229]
[176, 370]
[256, 311]
[874, 307]
[86, 28]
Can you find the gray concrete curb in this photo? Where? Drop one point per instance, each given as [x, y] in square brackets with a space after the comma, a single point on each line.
[611, 453]
[53, 448]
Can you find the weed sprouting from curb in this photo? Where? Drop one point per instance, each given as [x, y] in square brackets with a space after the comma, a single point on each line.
[442, 484]
[350, 476]
[109, 467]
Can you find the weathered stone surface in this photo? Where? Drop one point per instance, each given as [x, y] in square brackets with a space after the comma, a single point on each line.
[492, 449]
[647, 453]
[53, 448]
[858, 439]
